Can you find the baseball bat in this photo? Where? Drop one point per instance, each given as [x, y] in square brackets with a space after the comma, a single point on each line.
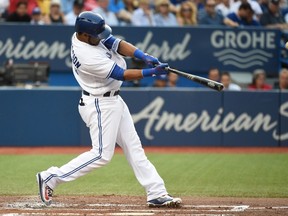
[201, 80]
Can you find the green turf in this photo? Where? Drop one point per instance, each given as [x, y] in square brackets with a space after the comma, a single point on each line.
[237, 175]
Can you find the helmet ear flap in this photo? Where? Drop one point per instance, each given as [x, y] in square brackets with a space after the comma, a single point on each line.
[92, 24]
[105, 34]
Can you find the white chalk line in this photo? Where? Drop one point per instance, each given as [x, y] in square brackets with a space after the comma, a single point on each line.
[272, 207]
[38, 205]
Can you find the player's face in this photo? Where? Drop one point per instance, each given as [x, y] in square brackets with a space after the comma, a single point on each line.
[88, 39]
[93, 41]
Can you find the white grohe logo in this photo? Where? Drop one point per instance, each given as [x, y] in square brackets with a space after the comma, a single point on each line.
[158, 119]
[232, 47]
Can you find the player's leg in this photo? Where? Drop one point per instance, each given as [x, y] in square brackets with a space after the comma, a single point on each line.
[143, 169]
[98, 115]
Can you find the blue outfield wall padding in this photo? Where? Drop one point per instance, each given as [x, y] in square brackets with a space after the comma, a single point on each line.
[168, 117]
[250, 118]
[39, 117]
[283, 118]
[172, 118]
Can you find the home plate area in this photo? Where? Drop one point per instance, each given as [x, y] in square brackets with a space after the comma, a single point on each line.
[135, 205]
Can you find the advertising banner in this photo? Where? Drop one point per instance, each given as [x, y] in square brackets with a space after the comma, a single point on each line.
[176, 118]
[251, 118]
[192, 49]
[283, 112]
[206, 118]
[161, 118]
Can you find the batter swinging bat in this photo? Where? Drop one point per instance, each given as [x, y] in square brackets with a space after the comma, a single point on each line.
[201, 80]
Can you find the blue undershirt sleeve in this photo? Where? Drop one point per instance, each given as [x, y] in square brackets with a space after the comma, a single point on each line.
[117, 73]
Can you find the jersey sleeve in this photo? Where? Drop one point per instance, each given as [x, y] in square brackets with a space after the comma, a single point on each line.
[112, 43]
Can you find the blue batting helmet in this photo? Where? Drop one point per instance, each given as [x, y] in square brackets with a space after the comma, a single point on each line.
[92, 24]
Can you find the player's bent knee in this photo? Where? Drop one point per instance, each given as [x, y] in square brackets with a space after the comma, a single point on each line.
[104, 157]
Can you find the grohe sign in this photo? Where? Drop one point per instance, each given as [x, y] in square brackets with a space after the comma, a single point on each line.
[193, 49]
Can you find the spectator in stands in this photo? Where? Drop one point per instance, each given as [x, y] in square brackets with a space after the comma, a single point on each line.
[282, 83]
[223, 7]
[209, 16]
[36, 18]
[201, 3]
[187, 14]
[254, 4]
[102, 9]
[244, 16]
[31, 4]
[176, 2]
[4, 4]
[264, 5]
[163, 16]
[143, 16]
[227, 82]
[55, 16]
[214, 74]
[160, 81]
[44, 6]
[89, 5]
[78, 6]
[125, 15]
[169, 80]
[21, 13]
[67, 6]
[116, 6]
[172, 80]
[273, 18]
[259, 81]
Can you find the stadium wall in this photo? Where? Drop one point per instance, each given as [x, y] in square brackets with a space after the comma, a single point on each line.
[180, 117]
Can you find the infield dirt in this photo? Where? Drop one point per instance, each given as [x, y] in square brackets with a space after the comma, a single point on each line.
[132, 205]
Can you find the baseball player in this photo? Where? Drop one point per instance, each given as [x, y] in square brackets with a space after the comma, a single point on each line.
[99, 68]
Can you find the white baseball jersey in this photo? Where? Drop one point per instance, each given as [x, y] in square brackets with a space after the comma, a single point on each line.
[108, 119]
[92, 65]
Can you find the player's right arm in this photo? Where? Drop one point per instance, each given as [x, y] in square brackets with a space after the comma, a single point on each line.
[127, 49]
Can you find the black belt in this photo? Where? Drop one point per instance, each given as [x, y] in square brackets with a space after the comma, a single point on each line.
[107, 94]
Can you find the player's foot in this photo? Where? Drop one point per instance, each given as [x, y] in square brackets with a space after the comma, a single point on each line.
[165, 201]
[45, 191]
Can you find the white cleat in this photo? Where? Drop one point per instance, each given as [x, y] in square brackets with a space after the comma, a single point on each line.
[45, 191]
[165, 201]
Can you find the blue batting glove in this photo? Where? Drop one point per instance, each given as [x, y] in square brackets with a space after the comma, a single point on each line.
[151, 61]
[158, 70]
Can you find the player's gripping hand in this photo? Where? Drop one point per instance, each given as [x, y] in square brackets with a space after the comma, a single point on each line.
[158, 70]
[148, 59]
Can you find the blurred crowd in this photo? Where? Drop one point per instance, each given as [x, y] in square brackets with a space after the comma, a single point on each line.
[233, 13]
[258, 81]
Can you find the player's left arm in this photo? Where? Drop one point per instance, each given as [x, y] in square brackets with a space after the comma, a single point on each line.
[127, 49]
